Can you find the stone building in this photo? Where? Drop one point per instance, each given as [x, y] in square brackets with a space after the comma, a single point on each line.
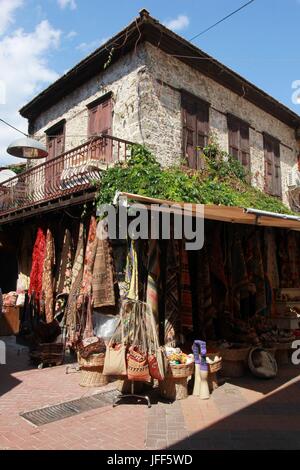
[147, 85]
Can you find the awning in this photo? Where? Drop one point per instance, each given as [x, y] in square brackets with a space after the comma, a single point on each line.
[236, 215]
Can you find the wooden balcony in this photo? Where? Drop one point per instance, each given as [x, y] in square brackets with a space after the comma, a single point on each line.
[62, 178]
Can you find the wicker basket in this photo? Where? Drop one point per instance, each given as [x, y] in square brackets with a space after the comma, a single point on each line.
[180, 371]
[174, 388]
[92, 377]
[94, 360]
[215, 367]
[235, 354]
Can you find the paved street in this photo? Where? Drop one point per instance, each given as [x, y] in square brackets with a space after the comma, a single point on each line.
[242, 414]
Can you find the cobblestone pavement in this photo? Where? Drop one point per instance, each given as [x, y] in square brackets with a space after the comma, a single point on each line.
[243, 413]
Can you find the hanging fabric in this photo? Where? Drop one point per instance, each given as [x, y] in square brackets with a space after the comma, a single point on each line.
[153, 278]
[48, 279]
[77, 273]
[38, 256]
[65, 268]
[294, 256]
[185, 290]
[89, 259]
[25, 259]
[103, 280]
[172, 308]
[255, 271]
[240, 282]
[270, 251]
[206, 310]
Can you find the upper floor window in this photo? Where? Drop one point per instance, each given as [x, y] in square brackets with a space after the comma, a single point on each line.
[272, 165]
[195, 120]
[100, 116]
[238, 136]
[56, 140]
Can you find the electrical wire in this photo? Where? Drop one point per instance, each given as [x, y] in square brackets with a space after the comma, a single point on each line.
[221, 20]
[13, 127]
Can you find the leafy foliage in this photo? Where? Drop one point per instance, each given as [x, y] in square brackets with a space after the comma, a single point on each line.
[222, 181]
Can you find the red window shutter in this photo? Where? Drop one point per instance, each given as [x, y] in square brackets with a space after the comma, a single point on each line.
[244, 146]
[93, 120]
[238, 136]
[277, 169]
[272, 166]
[195, 116]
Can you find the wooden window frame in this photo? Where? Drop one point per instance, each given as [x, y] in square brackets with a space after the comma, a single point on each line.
[200, 129]
[241, 150]
[272, 165]
[53, 132]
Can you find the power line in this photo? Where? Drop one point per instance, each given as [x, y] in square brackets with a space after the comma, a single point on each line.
[13, 127]
[221, 20]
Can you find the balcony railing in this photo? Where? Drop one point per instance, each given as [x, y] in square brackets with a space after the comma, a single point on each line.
[68, 173]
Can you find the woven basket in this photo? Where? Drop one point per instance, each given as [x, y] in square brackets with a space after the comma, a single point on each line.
[180, 371]
[174, 388]
[94, 360]
[238, 354]
[93, 377]
[215, 367]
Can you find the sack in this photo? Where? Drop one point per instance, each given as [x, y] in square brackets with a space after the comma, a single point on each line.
[104, 325]
[156, 359]
[137, 365]
[89, 346]
[115, 357]
[115, 360]
[157, 366]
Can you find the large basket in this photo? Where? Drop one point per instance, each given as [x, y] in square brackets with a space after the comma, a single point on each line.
[93, 377]
[174, 388]
[94, 360]
[215, 367]
[180, 371]
[235, 354]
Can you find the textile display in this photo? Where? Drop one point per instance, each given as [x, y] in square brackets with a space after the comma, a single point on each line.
[131, 287]
[172, 307]
[255, 271]
[271, 265]
[77, 273]
[38, 256]
[65, 268]
[48, 279]
[103, 281]
[153, 278]
[294, 258]
[240, 282]
[89, 259]
[185, 290]
[25, 260]
[206, 310]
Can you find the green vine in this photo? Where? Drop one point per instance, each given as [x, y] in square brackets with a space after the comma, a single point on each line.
[222, 181]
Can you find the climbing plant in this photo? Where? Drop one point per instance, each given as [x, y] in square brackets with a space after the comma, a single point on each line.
[222, 181]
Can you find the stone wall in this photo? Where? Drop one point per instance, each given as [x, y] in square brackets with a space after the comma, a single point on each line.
[145, 87]
[161, 104]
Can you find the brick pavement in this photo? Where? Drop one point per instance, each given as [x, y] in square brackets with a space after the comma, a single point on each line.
[241, 414]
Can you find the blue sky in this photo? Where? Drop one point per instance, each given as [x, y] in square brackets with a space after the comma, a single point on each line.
[40, 40]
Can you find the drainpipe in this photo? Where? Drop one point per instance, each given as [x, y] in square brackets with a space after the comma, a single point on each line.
[276, 215]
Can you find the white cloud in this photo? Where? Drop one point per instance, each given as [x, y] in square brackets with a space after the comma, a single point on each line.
[87, 47]
[24, 71]
[7, 8]
[67, 4]
[71, 35]
[179, 23]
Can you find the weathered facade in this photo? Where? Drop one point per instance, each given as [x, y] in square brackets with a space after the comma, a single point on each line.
[156, 93]
[146, 90]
